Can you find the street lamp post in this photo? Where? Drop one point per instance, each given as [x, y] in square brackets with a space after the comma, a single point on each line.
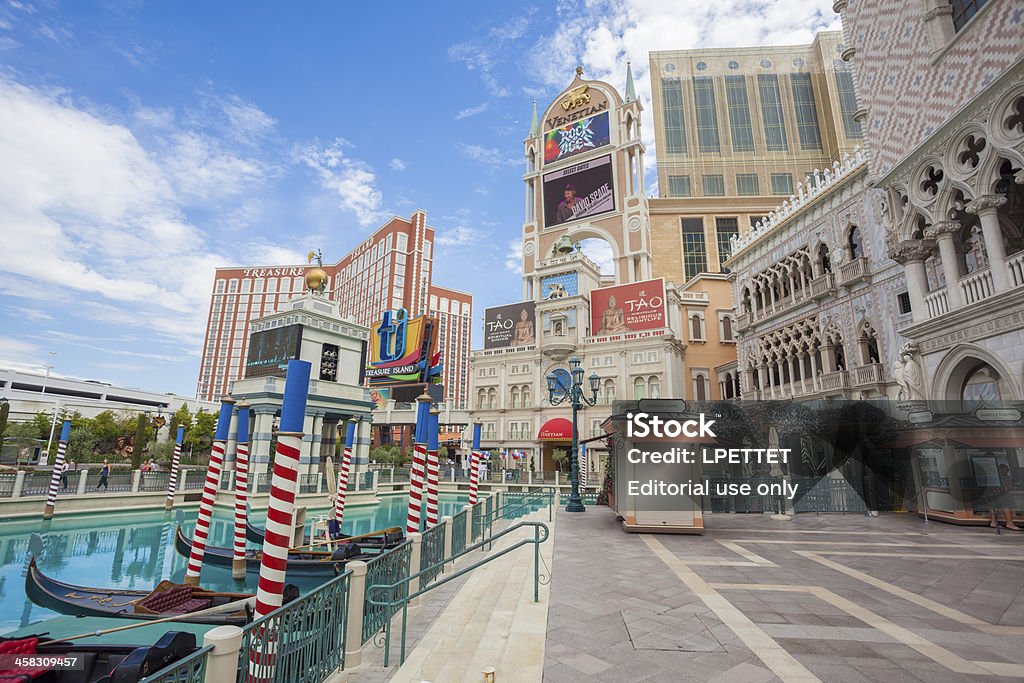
[560, 391]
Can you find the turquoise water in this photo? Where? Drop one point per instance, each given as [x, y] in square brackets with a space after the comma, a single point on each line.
[136, 550]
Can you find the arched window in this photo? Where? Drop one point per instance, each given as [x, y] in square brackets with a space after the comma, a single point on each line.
[982, 384]
[701, 391]
[695, 327]
[726, 328]
[481, 401]
[639, 389]
[854, 243]
[654, 387]
[527, 397]
[840, 356]
[728, 385]
[736, 386]
[746, 300]
[492, 398]
[975, 256]
[515, 397]
[609, 390]
[823, 260]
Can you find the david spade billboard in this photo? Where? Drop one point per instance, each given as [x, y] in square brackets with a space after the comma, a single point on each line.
[511, 325]
[582, 190]
[628, 308]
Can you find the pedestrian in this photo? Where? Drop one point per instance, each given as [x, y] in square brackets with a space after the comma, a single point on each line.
[64, 475]
[104, 473]
[1002, 498]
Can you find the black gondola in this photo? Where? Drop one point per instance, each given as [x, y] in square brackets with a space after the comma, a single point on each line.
[302, 562]
[166, 600]
[96, 663]
[254, 534]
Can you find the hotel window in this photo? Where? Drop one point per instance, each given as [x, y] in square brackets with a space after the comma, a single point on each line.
[725, 328]
[674, 115]
[714, 185]
[638, 357]
[704, 106]
[739, 114]
[725, 228]
[771, 112]
[847, 99]
[782, 183]
[806, 111]
[679, 186]
[696, 327]
[639, 389]
[695, 256]
[609, 390]
[746, 184]
[402, 242]
[903, 302]
[963, 10]
[652, 356]
[654, 387]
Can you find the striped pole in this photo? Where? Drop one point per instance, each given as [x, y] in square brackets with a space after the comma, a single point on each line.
[58, 470]
[241, 491]
[419, 463]
[432, 467]
[343, 470]
[172, 481]
[278, 535]
[583, 464]
[474, 464]
[213, 470]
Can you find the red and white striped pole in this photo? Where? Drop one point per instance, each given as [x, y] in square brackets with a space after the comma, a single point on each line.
[432, 467]
[58, 470]
[583, 465]
[345, 467]
[213, 470]
[419, 464]
[474, 465]
[241, 491]
[277, 538]
[172, 480]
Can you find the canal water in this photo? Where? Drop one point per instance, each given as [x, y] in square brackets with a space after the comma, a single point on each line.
[136, 550]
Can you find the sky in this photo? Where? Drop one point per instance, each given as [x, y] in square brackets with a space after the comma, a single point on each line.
[144, 144]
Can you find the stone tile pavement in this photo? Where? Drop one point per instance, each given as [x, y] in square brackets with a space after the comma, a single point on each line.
[831, 598]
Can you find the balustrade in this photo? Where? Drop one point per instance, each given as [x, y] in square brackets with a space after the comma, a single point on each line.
[833, 381]
[855, 270]
[938, 303]
[821, 286]
[873, 373]
[977, 286]
[1016, 265]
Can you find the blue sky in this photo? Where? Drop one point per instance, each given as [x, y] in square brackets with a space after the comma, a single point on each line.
[144, 144]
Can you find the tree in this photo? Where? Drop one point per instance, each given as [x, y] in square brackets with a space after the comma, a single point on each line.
[200, 434]
[5, 410]
[560, 457]
[181, 418]
[141, 438]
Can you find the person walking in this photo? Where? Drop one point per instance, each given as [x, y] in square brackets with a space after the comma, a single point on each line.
[64, 475]
[1003, 499]
[104, 473]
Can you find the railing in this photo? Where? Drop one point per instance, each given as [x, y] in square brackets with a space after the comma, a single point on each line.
[1015, 264]
[301, 641]
[309, 483]
[820, 286]
[857, 269]
[190, 669]
[977, 286]
[377, 593]
[386, 568]
[459, 531]
[432, 553]
[225, 480]
[196, 479]
[742, 321]
[262, 483]
[153, 481]
[7, 484]
[36, 484]
[937, 303]
[873, 373]
[834, 380]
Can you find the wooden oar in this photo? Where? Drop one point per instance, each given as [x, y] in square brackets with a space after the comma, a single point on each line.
[389, 530]
[228, 607]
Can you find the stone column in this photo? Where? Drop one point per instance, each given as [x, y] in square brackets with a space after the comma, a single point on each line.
[316, 444]
[912, 254]
[944, 233]
[231, 447]
[762, 372]
[361, 448]
[828, 358]
[259, 454]
[814, 370]
[986, 207]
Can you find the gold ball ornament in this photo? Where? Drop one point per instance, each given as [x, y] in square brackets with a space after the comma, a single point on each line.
[316, 278]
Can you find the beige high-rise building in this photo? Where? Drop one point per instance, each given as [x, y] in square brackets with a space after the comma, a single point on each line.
[738, 130]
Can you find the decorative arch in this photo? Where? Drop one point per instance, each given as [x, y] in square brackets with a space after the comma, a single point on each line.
[954, 367]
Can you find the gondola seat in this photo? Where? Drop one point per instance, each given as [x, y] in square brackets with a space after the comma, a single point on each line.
[23, 646]
[193, 605]
[166, 600]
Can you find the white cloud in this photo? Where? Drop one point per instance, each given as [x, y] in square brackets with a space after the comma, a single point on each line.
[352, 180]
[489, 156]
[397, 164]
[82, 198]
[600, 252]
[20, 355]
[245, 121]
[483, 55]
[461, 235]
[472, 111]
[514, 257]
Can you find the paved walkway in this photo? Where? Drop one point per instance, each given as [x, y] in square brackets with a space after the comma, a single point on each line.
[832, 598]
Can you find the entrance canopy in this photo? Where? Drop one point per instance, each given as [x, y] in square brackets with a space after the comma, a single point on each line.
[556, 429]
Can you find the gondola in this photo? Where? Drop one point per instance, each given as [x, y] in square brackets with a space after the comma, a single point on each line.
[95, 663]
[168, 599]
[254, 534]
[300, 561]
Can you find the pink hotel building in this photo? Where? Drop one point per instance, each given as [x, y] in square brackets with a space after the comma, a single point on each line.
[391, 268]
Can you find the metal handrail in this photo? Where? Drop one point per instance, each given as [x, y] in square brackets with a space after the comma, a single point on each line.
[541, 533]
[517, 503]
